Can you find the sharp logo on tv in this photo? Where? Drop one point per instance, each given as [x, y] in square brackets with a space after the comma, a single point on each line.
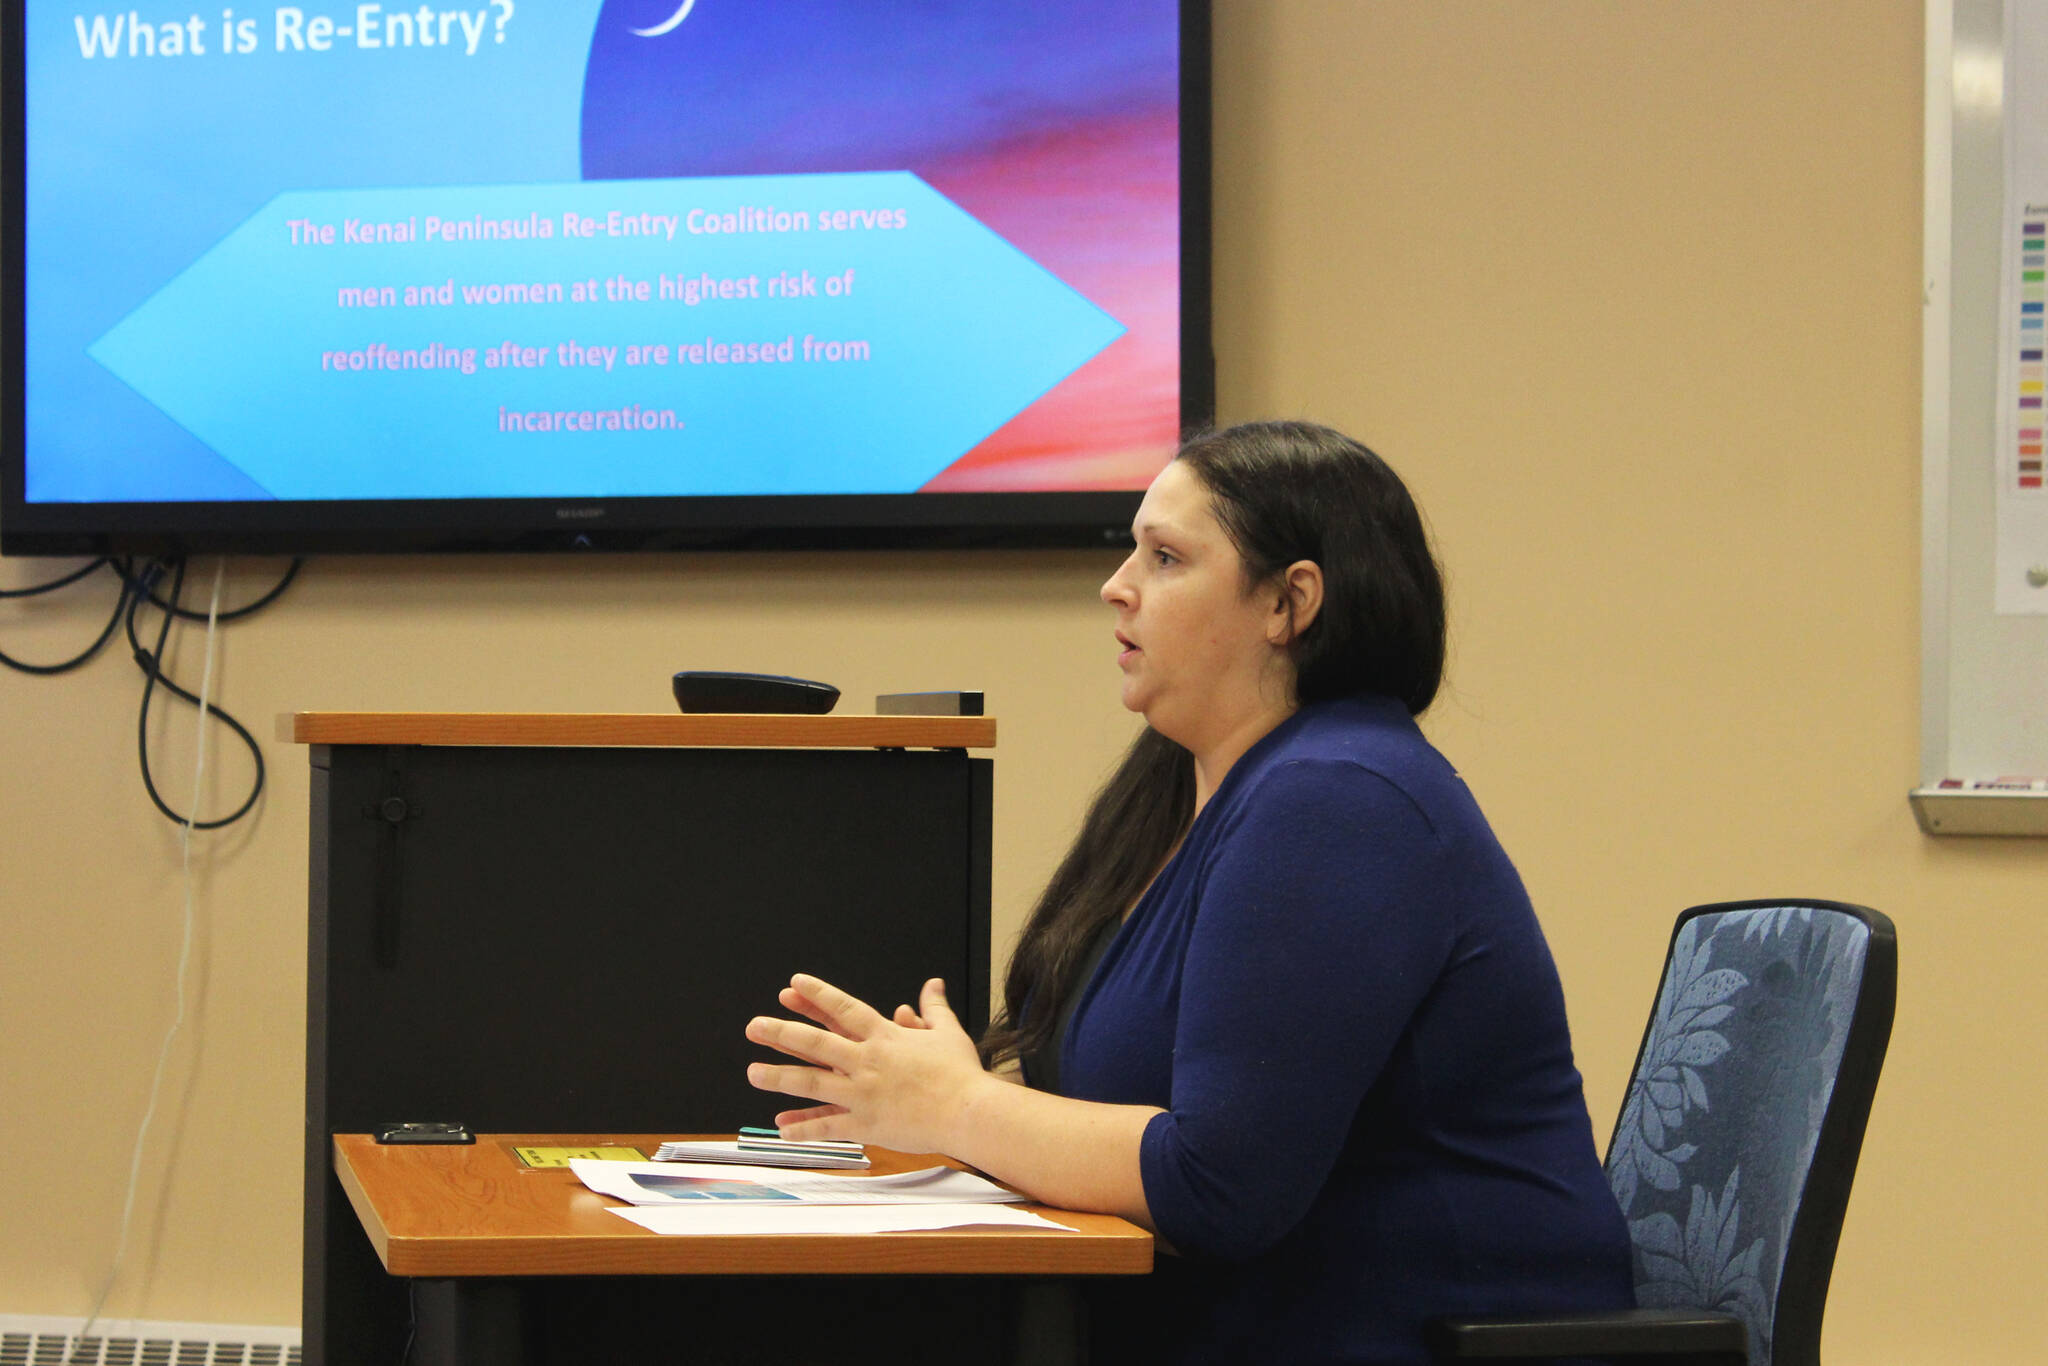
[910, 253]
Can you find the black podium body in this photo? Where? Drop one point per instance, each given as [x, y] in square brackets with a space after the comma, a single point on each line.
[535, 924]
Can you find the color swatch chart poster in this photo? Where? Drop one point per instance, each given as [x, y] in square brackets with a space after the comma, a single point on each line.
[2022, 559]
[2024, 470]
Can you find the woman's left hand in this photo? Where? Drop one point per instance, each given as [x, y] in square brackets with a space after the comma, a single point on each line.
[897, 1082]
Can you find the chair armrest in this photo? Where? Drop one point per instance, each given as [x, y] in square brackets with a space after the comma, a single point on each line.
[1694, 1335]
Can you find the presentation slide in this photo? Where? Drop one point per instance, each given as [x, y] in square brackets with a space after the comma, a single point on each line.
[582, 249]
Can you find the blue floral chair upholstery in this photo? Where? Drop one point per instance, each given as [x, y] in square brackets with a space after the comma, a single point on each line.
[1738, 1140]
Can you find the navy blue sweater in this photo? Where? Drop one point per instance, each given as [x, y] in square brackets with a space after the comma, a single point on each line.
[1338, 991]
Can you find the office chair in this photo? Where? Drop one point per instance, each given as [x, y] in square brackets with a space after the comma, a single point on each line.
[1737, 1143]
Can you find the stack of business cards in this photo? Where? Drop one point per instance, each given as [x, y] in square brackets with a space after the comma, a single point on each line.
[765, 1148]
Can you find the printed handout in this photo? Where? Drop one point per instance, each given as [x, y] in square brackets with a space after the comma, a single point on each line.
[652, 1183]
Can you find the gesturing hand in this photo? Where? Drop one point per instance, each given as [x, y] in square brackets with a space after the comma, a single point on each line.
[898, 1082]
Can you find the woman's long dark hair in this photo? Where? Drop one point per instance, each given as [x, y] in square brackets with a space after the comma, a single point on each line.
[1283, 492]
[1131, 827]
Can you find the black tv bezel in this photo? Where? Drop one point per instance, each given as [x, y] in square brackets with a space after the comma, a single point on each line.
[688, 522]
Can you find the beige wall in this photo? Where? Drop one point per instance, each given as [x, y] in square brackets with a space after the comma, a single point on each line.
[1630, 293]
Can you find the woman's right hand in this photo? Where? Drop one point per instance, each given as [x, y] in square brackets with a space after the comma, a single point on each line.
[901, 1081]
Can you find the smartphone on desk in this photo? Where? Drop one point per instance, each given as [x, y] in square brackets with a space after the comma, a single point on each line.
[432, 1132]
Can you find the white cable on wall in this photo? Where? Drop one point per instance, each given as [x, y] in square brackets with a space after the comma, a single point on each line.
[163, 1056]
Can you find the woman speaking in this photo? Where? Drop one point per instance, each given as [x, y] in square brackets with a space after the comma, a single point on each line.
[1285, 1002]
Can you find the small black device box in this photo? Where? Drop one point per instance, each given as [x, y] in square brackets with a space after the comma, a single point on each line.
[928, 704]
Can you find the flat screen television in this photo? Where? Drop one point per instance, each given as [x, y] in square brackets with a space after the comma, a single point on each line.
[614, 274]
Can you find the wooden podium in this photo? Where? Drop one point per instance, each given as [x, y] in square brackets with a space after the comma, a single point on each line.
[561, 923]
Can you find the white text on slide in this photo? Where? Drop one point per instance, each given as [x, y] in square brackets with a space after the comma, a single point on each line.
[365, 27]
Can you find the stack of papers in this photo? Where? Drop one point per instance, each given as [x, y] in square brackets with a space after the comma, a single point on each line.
[651, 1183]
[767, 1152]
[716, 1199]
[744, 1220]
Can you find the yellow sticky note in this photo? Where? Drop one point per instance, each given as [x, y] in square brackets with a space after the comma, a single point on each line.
[559, 1157]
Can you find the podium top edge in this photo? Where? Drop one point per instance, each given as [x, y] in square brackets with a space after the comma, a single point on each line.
[635, 729]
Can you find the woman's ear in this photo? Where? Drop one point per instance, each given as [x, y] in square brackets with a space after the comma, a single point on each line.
[1296, 604]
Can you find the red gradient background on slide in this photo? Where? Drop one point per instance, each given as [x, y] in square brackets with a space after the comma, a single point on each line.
[1113, 423]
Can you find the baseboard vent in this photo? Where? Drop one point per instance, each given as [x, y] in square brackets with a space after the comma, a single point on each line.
[26, 1340]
